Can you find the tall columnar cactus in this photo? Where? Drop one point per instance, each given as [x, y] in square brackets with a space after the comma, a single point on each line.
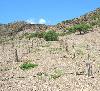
[16, 56]
[88, 69]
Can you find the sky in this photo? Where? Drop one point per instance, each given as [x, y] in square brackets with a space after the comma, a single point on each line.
[44, 11]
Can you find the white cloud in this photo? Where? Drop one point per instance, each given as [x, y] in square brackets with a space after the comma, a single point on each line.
[31, 21]
[42, 21]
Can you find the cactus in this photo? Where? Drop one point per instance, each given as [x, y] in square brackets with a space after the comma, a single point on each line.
[89, 69]
[16, 56]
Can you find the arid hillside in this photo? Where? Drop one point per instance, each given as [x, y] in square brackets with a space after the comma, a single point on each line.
[92, 18]
[70, 64]
[34, 58]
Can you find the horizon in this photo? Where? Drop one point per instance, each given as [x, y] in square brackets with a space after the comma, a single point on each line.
[44, 12]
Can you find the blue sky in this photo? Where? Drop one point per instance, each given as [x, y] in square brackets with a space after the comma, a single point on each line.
[44, 11]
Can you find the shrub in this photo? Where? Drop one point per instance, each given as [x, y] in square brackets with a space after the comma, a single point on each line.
[30, 35]
[57, 73]
[27, 65]
[36, 34]
[40, 34]
[51, 36]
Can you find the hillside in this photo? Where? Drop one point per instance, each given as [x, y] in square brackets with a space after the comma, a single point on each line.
[92, 18]
[70, 64]
[31, 63]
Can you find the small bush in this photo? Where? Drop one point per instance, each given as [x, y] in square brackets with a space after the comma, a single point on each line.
[51, 36]
[57, 73]
[36, 34]
[62, 34]
[27, 65]
[48, 36]
[40, 34]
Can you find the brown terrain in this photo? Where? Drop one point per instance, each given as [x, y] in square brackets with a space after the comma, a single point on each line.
[70, 64]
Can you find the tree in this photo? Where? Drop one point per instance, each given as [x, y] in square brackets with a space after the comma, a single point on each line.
[80, 27]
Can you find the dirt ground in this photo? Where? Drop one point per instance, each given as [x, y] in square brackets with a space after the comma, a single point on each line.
[70, 64]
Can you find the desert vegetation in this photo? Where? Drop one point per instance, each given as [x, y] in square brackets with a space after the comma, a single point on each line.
[80, 27]
[28, 65]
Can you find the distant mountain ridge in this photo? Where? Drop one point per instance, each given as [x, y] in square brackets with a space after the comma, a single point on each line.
[92, 18]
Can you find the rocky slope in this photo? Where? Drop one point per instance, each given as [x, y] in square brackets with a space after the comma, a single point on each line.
[92, 18]
[70, 64]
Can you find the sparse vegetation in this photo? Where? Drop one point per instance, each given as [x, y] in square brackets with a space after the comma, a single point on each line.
[79, 52]
[57, 73]
[55, 50]
[71, 63]
[51, 36]
[40, 34]
[28, 65]
[30, 35]
[92, 18]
